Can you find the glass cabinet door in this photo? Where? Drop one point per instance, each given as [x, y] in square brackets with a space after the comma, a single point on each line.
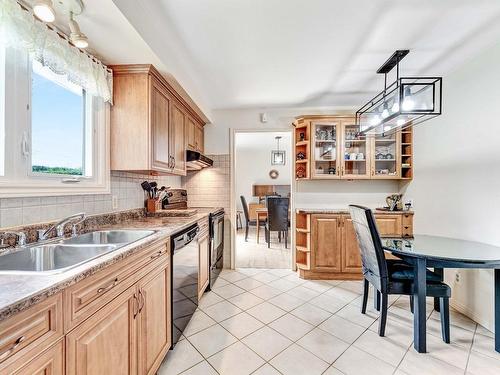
[355, 153]
[386, 156]
[325, 150]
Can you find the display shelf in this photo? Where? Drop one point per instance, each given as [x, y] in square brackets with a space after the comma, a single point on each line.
[302, 240]
[302, 149]
[407, 154]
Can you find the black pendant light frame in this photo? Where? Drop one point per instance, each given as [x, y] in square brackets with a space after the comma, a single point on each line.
[386, 113]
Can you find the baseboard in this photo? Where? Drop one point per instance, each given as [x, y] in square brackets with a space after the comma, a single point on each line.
[469, 313]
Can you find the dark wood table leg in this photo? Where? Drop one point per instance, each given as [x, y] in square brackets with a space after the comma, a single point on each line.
[440, 272]
[419, 315]
[497, 310]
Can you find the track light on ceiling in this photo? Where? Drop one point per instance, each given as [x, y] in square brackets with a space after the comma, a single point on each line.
[78, 38]
[44, 10]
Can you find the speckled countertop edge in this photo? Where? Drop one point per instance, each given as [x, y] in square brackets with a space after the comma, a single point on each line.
[346, 211]
[20, 291]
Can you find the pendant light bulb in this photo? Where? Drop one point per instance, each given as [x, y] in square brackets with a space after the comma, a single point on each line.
[408, 103]
[76, 37]
[375, 120]
[44, 10]
[395, 107]
[385, 112]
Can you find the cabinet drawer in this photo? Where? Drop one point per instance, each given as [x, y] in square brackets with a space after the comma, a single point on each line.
[85, 298]
[389, 225]
[39, 326]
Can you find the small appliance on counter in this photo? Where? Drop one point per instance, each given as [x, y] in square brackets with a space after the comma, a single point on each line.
[175, 199]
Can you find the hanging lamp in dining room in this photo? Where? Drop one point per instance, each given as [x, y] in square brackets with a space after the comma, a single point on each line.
[406, 102]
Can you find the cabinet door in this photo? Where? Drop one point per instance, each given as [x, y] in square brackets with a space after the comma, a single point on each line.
[190, 133]
[177, 141]
[204, 265]
[386, 156]
[355, 154]
[351, 257]
[155, 318]
[199, 138]
[106, 343]
[326, 243]
[325, 150]
[160, 107]
[389, 225]
[50, 362]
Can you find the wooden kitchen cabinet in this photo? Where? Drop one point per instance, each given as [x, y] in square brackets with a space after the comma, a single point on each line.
[204, 264]
[149, 123]
[199, 138]
[351, 257]
[190, 130]
[49, 362]
[106, 343]
[390, 225]
[154, 320]
[326, 243]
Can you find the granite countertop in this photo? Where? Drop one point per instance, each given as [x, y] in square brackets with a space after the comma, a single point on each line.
[346, 211]
[20, 291]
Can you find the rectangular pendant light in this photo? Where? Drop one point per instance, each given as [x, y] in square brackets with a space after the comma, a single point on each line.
[406, 102]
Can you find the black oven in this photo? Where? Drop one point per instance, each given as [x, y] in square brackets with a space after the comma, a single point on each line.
[216, 230]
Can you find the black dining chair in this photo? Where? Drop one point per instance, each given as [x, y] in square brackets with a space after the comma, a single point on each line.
[277, 218]
[391, 276]
[248, 222]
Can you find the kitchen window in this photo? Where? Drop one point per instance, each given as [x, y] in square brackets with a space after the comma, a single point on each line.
[55, 136]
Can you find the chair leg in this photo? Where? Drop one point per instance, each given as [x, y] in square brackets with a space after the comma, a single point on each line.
[444, 307]
[279, 236]
[246, 233]
[366, 286]
[383, 315]
[286, 238]
[268, 239]
[411, 304]
[376, 300]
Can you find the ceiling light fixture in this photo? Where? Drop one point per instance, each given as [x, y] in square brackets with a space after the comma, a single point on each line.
[414, 100]
[44, 10]
[76, 37]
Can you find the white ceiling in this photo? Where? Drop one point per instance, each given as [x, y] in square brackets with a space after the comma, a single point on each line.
[265, 53]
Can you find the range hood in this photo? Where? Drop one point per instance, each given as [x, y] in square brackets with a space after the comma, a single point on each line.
[196, 161]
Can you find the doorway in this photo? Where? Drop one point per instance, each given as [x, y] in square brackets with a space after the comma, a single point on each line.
[262, 171]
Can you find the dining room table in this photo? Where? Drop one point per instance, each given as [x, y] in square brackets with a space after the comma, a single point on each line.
[424, 251]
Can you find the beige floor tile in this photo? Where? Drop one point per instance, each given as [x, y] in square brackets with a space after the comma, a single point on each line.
[333, 371]
[228, 291]
[295, 360]
[222, 310]
[303, 293]
[291, 327]
[396, 331]
[245, 300]
[265, 292]
[341, 328]
[283, 285]
[241, 325]
[281, 272]
[453, 354]
[357, 362]
[267, 369]
[219, 283]
[294, 279]
[322, 344]
[209, 299]
[311, 314]
[212, 340]
[202, 368]
[250, 271]
[485, 345]
[248, 283]
[317, 285]
[328, 303]
[236, 359]
[181, 358]
[286, 301]
[457, 319]
[385, 348]
[354, 286]
[266, 312]
[265, 277]
[233, 276]
[258, 255]
[266, 342]
[422, 363]
[480, 364]
[458, 335]
[353, 314]
[199, 321]
[343, 294]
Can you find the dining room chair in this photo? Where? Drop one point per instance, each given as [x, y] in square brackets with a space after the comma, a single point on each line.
[246, 214]
[277, 218]
[391, 276]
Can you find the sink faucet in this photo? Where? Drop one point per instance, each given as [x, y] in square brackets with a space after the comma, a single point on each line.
[59, 226]
[21, 237]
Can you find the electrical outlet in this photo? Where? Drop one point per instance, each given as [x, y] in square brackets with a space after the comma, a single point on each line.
[410, 201]
[114, 202]
[457, 277]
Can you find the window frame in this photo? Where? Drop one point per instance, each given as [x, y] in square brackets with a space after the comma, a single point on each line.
[19, 178]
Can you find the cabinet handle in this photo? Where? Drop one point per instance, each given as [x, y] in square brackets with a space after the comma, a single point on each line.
[141, 301]
[136, 306]
[173, 159]
[14, 346]
[108, 287]
[157, 254]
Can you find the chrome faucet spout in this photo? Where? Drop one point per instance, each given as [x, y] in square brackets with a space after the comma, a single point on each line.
[59, 226]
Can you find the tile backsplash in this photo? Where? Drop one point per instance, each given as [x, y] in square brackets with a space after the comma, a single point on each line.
[125, 186]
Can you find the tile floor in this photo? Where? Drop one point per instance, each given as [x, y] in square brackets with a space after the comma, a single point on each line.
[251, 254]
[260, 321]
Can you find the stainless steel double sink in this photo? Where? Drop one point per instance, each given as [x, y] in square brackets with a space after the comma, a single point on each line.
[60, 255]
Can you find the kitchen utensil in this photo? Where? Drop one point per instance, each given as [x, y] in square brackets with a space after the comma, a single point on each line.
[154, 188]
[147, 188]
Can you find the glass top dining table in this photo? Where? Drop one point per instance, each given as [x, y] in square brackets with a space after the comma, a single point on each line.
[424, 251]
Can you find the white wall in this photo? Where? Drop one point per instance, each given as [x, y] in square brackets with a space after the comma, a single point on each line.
[456, 187]
[253, 162]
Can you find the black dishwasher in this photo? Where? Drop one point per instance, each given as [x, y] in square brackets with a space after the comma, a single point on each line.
[184, 261]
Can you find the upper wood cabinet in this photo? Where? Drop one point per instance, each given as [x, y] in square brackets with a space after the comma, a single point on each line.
[150, 123]
[194, 135]
[328, 147]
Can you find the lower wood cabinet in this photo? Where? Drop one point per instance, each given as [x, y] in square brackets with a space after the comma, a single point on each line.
[326, 242]
[204, 264]
[49, 362]
[351, 258]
